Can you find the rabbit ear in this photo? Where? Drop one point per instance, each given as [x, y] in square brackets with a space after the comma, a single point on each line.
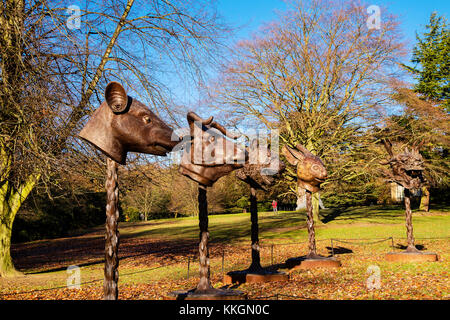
[293, 156]
[388, 146]
[305, 151]
[116, 97]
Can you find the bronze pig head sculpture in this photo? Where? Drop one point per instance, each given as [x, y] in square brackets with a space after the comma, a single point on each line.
[208, 155]
[261, 170]
[406, 167]
[123, 124]
[311, 172]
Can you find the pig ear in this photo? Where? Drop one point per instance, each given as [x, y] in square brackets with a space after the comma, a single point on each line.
[116, 97]
[292, 156]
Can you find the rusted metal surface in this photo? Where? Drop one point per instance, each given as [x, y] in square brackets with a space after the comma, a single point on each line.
[256, 255]
[310, 226]
[406, 167]
[122, 124]
[310, 170]
[408, 222]
[259, 175]
[204, 283]
[207, 157]
[110, 288]
[406, 170]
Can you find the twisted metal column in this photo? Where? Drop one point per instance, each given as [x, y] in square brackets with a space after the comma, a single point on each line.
[409, 226]
[256, 259]
[204, 283]
[310, 225]
[110, 288]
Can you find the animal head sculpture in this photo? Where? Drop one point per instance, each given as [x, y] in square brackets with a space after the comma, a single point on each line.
[406, 167]
[310, 170]
[123, 124]
[261, 170]
[209, 155]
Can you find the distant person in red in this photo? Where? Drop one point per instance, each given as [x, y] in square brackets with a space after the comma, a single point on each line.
[274, 206]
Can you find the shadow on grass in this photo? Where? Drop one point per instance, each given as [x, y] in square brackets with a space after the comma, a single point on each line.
[169, 241]
[89, 251]
[419, 247]
[356, 213]
[225, 232]
[166, 242]
[338, 250]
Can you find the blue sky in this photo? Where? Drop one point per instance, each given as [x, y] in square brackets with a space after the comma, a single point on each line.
[250, 14]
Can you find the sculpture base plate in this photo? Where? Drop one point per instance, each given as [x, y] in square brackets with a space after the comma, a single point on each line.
[312, 263]
[211, 294]
[412, 256]
[248, 276]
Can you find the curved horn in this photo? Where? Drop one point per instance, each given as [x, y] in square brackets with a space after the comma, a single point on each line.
[224, 131]
[192, 117]
[116, 97]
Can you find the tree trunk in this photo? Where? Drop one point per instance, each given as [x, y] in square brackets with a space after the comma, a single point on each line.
[256, 258]
[301, 202]
[205, 282]
[310, 225]
[425, 200]
[315, 207]
[110, 287]
[10, 203]
[6, 263]
[409, 226]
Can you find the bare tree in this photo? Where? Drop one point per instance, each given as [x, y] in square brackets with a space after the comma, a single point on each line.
[55, 64]
[319, 75]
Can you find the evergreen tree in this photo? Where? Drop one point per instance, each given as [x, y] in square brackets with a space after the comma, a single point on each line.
[431, 62]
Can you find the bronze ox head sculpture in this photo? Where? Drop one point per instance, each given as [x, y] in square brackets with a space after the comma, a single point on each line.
[122, 124]
[262, 168]
[406, 167]
[311, 172]
[209, 155]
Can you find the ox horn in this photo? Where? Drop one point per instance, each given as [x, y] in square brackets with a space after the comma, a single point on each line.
[193, 117]
[225, 131]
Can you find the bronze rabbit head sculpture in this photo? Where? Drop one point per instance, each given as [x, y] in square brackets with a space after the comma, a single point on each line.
[311, 172]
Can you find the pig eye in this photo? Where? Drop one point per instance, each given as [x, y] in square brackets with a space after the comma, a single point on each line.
[147, 119]
[315, 167]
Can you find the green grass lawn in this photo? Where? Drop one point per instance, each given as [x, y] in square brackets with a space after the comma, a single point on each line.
[361, 222]
[152, 261]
